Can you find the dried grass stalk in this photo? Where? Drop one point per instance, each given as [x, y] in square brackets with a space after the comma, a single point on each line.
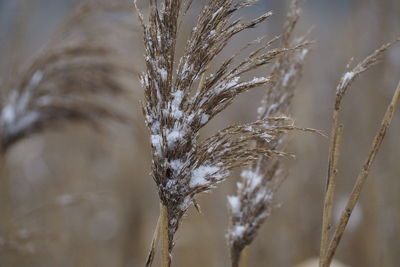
[254, 200]
[327, 251]
[361, 178]
[175, 112]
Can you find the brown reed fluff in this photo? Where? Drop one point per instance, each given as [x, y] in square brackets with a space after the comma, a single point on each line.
[175, 112]
[254, 200]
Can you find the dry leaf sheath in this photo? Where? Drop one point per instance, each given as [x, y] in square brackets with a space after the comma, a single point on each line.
[254, 199]
[175, 110]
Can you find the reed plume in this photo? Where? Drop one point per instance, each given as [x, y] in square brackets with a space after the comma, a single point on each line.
[67, 82]
[178, 105]
[255, 192]
[61, 85]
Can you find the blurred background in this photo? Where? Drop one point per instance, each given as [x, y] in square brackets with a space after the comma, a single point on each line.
[84, 198]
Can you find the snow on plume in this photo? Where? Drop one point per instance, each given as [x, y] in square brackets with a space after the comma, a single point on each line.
[200, 175]
[253, 179]
[345, 79]
[15, 116]
[234, 203]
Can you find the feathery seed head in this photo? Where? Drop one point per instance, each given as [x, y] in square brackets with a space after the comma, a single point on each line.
[175, 110]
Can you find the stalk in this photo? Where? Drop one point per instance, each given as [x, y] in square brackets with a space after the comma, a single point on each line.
[362, 176]
[154, 244]
[244, 257]
[165, 258]
[334, 151]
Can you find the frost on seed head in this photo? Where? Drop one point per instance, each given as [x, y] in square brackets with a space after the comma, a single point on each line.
[180, 99]
[251, 206]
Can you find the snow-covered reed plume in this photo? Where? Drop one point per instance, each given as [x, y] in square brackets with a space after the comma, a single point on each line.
[178, 105]
[63, 84]
[255, 192]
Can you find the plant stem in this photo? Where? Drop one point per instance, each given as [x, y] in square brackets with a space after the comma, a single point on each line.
[154, 244]
[362, 176]
[6, 224]
[334, 151]
[165, 259]
[244, 257]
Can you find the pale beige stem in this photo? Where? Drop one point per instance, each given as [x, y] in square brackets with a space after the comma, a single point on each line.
[154, 244]
[244, 257]
[334, 152]
[355, 194]
[165, 259]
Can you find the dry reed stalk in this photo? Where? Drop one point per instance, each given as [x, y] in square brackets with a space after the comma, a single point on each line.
[244, 258]
[334, 152]
[165, 257]
[154, 243]
[327, 249]
[6, 225]
[362, 176]
[254, 200]
[175, 111]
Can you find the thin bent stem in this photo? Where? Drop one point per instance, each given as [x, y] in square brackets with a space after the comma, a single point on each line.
[355, 194]
[165, 259]
[244, 257]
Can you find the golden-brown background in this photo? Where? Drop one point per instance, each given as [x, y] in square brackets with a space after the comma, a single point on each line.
[83, 198]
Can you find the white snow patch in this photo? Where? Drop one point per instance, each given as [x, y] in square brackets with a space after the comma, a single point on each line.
[216, 13]
[200, 174]
[23, 122]
[36, 78]
[173, 137]
[231, 83]
[176, 112]
[345, 79]
[286, 78]
[186, 203]
[259, 80]
[156, 141]
[176, 164]
[253, 179]
[204, 118]
[163, 73]
[234, 203]
[260, 110]
[238, 231]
